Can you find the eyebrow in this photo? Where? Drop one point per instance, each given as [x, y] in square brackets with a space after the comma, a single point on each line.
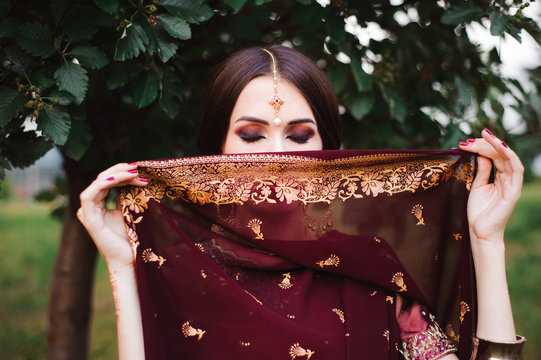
[265, 122]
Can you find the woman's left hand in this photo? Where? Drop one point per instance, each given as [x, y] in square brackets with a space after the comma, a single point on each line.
[490, 204]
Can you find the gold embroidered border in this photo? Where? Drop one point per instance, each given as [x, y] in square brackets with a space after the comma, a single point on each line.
[271, 178]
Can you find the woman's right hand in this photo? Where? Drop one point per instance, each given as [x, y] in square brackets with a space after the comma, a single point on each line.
[106, 227]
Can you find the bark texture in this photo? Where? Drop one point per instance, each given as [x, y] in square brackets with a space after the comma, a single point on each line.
[70, 301]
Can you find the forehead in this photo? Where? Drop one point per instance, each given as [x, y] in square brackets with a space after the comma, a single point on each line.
[255, 97]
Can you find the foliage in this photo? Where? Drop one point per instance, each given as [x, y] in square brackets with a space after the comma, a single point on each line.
[108, 81]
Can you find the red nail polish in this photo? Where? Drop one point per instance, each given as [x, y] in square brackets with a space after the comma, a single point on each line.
[470, 140]
[110, 178]
[505, 145]
[134, 171]
[463, 143]
[132, 163]
[142, 179]
[488, 132]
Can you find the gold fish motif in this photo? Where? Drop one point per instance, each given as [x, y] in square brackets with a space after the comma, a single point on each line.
[332, 260]
[149, 256]
[286, 281]
[297, 351]
[398, 279]
[255, 226]
[340, 314]
[417, 210]
[464, 308]
[188, 330]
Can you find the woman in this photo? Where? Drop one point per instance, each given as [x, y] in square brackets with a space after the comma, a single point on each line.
[303, 115]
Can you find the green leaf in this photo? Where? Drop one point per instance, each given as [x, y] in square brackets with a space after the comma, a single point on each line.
[79, 26]
[146, 89]
[109, 6]
[24, 148]
[261, 2]
[166, 47]
[79, 139]
[37, 39]
[235, 4]
[462, 13]
[130, 45]
[176, 27]
[171, 94]
[40, 77]
[8, 27]
[360, 105]
[396, 103]
[338, 74]
[11, 102]
[5, 7]
[499, 23]
[515, 32]
[90, 56]
[118, 74]
[193, 11]
[463, 91]
[64, 98]
[362, 80]
[72, 78]
[54, 124]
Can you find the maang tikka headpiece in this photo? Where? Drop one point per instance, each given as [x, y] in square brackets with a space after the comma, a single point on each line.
[276, 102]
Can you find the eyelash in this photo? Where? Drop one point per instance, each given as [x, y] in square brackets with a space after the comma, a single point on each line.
[299, 140]
[251, 139]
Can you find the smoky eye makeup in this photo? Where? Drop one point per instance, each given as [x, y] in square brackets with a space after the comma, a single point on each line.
[300, 136]
[250, 134]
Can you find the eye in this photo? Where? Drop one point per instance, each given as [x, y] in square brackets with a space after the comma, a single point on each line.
[251, 139]
[300, 137]
[250, 134]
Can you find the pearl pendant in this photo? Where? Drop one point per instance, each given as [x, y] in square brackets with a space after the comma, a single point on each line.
[277, 121]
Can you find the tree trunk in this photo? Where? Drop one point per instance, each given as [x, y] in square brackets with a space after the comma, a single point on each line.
[70, 298]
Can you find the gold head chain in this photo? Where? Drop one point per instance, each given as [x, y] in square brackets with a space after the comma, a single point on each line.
[276, 102]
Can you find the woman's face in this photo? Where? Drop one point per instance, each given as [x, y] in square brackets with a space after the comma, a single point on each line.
[251, 126]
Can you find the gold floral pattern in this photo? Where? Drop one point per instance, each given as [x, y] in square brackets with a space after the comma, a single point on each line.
[464, 309]
[136, 200]
[417, 211]
[389, 299]
[332, 260]
[149, 256]
[235, 179]
[188, 330]
[398, 279]
[255, 226]
[286, 281]
[296, 350]
[386, 335]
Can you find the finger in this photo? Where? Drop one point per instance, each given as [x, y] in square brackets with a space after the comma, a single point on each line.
[118, 168]
[92, 198]
[484, 168]
[511, 164]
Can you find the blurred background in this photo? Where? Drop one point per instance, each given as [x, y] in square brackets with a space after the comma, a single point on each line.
[86, 84]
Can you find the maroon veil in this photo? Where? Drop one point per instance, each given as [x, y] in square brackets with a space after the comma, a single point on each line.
[299, 255]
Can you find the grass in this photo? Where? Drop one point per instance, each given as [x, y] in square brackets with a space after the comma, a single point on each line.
[29, 239]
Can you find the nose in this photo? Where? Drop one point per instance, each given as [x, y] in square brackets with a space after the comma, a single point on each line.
[277, 144]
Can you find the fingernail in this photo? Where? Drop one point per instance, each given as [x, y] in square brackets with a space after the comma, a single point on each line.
[110, 178]
[142, 179]
[463, 143]
[505, 145]
[488, 132]
[470, 140]
[132, 163]
[134, 171]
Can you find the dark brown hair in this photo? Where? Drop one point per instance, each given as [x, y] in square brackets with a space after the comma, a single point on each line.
[235, 72]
